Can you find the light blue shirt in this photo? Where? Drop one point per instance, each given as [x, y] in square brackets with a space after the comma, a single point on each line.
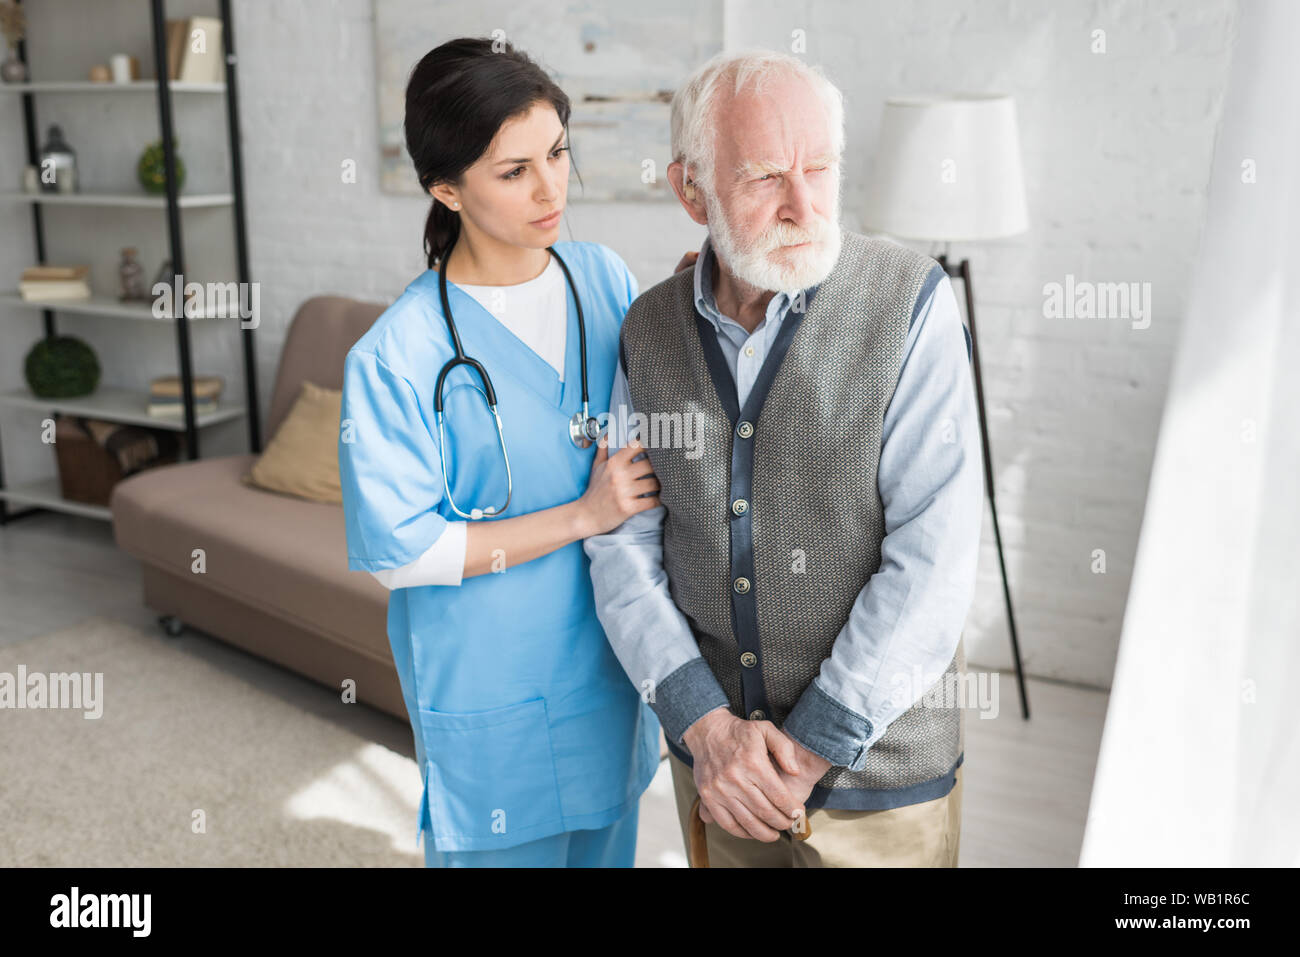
[904, 626]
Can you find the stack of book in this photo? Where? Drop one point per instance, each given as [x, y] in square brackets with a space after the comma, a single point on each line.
[55, 282]
[166, 398]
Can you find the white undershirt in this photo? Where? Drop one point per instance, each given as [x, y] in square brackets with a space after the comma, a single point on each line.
[537, 313]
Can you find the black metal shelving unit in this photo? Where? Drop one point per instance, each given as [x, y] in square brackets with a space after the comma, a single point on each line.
[165, 91]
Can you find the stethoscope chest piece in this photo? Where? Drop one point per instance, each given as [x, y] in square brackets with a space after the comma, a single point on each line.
[583, 429]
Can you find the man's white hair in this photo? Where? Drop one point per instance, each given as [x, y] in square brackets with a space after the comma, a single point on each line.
[693, 127]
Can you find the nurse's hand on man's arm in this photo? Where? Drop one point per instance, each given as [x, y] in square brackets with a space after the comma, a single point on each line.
[739, 786]
[614, 491]
[613, 495]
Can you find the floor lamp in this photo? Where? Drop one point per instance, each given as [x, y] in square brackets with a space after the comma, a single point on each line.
[948, 170]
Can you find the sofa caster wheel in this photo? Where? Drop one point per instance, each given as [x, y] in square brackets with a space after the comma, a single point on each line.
[172, 625]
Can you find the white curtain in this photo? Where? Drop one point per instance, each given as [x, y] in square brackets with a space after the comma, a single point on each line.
[1200, 757]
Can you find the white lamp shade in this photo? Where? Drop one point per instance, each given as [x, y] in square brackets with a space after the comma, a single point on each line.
[948, 168]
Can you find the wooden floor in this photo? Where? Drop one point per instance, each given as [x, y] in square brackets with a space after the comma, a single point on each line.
[1026, 787]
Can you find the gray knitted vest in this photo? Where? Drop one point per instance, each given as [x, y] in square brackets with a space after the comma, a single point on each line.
[775, 527]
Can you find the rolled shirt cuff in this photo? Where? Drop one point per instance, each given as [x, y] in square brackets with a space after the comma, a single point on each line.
[685, 696]
[824, 726]
[442, 563]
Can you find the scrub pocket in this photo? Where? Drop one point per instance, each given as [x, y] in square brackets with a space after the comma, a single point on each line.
[490, 777]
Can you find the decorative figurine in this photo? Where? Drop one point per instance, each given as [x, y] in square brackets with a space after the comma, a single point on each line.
[131, 278]
[13, 21]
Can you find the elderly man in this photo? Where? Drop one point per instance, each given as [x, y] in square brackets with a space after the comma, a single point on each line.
[793, 608]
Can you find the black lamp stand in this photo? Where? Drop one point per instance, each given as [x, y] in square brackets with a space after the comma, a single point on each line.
[962, 272]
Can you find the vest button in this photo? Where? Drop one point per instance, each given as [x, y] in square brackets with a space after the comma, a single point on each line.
[749, 659]
[758, 714]
[741, 585]
[745, 429]
[740, 506]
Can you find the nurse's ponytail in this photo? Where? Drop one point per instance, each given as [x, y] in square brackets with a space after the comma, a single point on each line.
[457, 98]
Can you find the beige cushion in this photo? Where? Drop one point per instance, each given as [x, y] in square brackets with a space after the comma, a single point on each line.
[303, 460]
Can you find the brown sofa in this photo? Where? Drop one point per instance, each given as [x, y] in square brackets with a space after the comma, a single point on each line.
[276, 581]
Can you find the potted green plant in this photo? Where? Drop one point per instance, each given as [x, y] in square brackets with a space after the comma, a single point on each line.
[152, 170]
[61, 367]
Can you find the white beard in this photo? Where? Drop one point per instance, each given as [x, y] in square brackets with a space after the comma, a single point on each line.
[761, 267]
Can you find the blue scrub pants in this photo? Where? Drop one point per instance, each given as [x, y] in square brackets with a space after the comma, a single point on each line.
[612, 846]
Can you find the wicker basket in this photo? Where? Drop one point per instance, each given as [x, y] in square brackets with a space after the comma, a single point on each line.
[87, 471]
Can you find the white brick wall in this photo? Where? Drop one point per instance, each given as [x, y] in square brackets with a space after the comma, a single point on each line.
[1116, 146]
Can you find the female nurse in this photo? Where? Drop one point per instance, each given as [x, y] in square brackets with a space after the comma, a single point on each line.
[534, 746]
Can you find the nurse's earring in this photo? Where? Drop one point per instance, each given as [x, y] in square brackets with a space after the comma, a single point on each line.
[455, 205]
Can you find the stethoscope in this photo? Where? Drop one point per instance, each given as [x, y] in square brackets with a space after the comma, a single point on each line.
[583, 428]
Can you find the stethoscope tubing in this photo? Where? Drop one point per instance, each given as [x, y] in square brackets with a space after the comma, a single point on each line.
[579, 426]
[460, 358]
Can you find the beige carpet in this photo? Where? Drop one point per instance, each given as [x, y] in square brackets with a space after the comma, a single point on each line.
[277, 786]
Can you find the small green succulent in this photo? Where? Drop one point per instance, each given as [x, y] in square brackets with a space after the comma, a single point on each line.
[152, 170]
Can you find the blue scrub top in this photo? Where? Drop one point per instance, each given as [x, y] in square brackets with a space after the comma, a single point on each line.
[525, 723]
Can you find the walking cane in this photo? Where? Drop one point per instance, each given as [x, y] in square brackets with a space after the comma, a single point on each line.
[699, 846]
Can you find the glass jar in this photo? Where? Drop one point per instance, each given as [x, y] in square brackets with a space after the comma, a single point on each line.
[58, 163]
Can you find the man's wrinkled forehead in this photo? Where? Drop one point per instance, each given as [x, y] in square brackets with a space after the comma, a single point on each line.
[761, 133]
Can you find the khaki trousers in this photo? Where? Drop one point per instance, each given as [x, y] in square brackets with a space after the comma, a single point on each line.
[918, 835]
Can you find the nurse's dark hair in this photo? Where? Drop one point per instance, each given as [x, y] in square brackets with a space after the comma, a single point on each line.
[457, 98]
